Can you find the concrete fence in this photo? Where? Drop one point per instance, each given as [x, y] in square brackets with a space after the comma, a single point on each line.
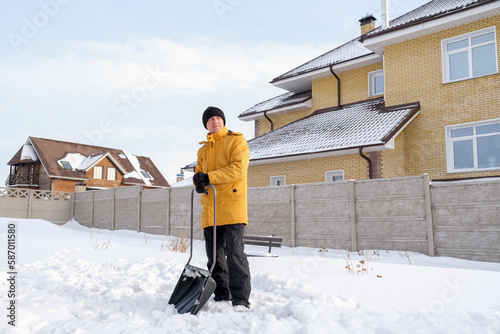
[458, 219]
[158, 211]
[367, 214]
[466, 220]
[53, 206]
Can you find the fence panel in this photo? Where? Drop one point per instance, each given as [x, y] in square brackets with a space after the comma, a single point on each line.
[83, 208]
[467, 219]
[322, 214]
[54, 206]
[390, 214]
[269, 212]
[14, 203]
[127, 208]
[155, 210]
[180, 212]
[104, 209]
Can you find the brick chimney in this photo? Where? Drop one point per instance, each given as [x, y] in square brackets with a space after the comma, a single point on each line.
[367, 24]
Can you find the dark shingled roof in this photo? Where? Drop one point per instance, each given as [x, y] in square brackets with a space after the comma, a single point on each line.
[355, 49]
[366, 123]
[348, 51]
[428, 11]
[283, 100]
[50, 152]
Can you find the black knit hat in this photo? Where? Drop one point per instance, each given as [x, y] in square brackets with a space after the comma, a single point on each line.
[210, 112]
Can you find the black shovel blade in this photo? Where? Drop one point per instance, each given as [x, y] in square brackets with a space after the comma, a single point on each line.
[194, 288]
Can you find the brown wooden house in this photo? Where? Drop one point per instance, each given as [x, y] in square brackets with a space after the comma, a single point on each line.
[55, 165]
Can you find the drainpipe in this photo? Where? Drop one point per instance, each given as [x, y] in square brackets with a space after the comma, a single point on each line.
[370, 167]
[338, 87]
[52, 182]
[265, 115]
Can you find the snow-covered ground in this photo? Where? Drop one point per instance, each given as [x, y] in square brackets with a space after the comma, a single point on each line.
[72, 279]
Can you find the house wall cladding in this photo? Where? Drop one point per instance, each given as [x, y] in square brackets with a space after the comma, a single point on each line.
[354, 87]
[407, 214]
[309, 170]
[413, 72]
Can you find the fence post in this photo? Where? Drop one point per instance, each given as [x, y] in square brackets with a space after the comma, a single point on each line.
[92, 209]
[167, 225]
[292, 216]
[72, 206]
[30, 203]
[428, 214]
[139, 198]
[352, 207]
[113, 208]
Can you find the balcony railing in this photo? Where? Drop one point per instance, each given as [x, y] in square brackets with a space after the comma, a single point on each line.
[21, 180]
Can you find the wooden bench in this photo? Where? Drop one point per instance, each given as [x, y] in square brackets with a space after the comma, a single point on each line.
[267, 241]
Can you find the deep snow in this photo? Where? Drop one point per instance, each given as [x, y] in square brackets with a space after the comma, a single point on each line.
[72, 279]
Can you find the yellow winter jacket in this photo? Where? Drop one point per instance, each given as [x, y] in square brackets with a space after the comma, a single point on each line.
[225, 157]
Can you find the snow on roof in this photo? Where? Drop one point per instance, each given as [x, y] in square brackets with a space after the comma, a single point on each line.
[362, 124]
[187, 182]
[79, 161]
[137, 173]
[350, 50]
[81, 157]
[427, 11]
[90, 161]
[355, 48]
[279, 101]
[28, 153]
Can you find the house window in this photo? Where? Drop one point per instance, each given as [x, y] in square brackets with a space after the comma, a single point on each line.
[376, 83]
[277, 181]
[111, 173]
[470, 56]
[473, 146]
[66, 165]
[98, 171]
[146, 174]
[333, 176]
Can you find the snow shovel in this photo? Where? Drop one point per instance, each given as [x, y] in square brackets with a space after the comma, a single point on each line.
[196, 285]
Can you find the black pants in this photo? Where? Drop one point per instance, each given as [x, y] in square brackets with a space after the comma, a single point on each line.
[232, 274]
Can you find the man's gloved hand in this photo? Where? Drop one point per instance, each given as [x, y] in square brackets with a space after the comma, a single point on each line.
[200, 180]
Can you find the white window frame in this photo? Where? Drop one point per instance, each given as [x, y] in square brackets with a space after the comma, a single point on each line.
[450, 158]
[111, 173]
[276, 180]
[445, 54]
[98, 172]
[371, 82]
[334, 173]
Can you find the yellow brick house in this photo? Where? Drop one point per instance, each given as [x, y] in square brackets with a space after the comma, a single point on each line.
[419, 94]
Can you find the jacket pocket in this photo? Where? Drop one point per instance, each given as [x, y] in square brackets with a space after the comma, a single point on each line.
[228, 192]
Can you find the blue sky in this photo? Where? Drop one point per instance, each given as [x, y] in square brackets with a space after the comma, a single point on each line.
[137, 75]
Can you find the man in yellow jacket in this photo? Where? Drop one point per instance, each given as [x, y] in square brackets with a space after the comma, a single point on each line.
[223, 162]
